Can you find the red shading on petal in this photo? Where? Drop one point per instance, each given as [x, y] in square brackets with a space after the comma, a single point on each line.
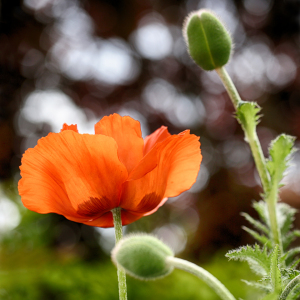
[156, 137]
[92, 207]
[163, 201]
[106, 220]
[69, 127]
[66, 170]
[127, 133]
[178, 161]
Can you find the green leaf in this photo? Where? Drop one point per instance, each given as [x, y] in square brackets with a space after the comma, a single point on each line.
[260, 238]
[291, 253]
[288, 274]
[288, 289]
[256, 257]
[289, 238]
[275, 273]
[247, 115]
[295, 263]
[262, 210]
[280, 150]
[285, 217]
[258, 225]
[295, 293]
[273, 296]
[263, 287]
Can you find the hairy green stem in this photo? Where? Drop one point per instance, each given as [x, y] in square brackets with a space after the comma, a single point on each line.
[271, 199]
[251, 136]
[289, 287]
[229, 86]
[209, 279]
[116, 212]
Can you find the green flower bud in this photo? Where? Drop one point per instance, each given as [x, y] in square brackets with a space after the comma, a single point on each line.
[208, 41]
[143, 256]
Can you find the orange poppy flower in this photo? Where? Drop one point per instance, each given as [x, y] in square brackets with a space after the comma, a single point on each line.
[83, 176]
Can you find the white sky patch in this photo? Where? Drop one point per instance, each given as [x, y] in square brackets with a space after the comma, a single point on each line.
[292, 175]
[55, 108]
[173, 235]
[36, 4]
[107, 238]
[10, 216]
[153, 40]
[108, 61]
[181, 110]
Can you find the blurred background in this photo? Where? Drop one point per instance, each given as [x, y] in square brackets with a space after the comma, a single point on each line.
[71, 61]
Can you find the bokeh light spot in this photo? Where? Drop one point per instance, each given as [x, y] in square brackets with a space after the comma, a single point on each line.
[153, 41]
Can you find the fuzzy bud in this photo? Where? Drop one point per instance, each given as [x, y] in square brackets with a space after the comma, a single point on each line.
[208, 41]
[143, 256]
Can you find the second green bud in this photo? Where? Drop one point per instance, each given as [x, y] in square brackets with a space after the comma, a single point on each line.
[143, 256]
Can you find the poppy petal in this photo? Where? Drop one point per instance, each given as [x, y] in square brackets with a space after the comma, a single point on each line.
[184, 164]
[150, 160]
[69, 127]
[157, 136]
[146, 165]
[127, 133]
[178, 163]
[76, 175]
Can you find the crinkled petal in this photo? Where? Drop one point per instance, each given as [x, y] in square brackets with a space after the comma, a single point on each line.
[178, 162]
[146, 165]
[149, 161]
[127, 133]
[157, 136]
[184, 164]
[75, 175]
[69, 127]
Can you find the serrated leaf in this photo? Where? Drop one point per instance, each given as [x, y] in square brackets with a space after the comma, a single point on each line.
[258, 225]
[295, 293]
[280, 150]
[295, 263]
[275, 273]
[288, 274]
[247, 115]
[289, 255]
[288, 289]
[285, 217]
[259, 286]
[256, 257]
[262, 210]
[289, 238]
[260, 238]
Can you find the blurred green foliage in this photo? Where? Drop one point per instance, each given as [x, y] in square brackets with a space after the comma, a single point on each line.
[44, 276]
[34, 268]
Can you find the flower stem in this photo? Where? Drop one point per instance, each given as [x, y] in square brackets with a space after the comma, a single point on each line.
[116, 212]
[272, 201]
[209, 279]
[251, 137]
